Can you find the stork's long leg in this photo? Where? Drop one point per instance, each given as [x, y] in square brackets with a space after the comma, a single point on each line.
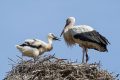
[35, 59]
[22, 59]
[22, 62]
[83, 55]
[87, 57]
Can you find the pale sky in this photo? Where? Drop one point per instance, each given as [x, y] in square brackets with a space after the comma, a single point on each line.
[24, 19]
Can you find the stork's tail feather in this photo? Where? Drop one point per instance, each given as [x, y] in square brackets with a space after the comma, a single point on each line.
[19, 47]
[102, 48]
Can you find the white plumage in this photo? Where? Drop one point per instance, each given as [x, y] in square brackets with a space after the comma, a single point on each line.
[85, 36]
[35, 47]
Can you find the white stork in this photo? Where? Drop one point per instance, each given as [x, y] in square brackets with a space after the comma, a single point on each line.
[85, 36]
[35, 47]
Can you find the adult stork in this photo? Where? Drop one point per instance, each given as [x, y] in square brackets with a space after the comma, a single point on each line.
[35, 47]
[85, 36]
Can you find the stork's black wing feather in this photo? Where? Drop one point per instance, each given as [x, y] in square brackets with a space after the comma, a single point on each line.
[30, 45]
[92, 36]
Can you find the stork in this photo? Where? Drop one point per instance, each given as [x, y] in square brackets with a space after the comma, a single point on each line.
[85, 36]
[35, 47]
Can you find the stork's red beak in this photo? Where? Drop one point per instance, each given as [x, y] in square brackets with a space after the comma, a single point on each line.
[56, 38]
[67, 23]
[62, 33]
[63, 29]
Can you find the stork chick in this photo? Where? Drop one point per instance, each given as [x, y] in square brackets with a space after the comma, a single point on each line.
[85, 36]
[35, 47]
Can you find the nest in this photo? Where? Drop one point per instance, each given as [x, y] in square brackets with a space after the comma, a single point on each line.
[52, 68]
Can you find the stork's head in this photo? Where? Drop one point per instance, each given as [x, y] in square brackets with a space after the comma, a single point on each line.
[53, 37]
[69, 22]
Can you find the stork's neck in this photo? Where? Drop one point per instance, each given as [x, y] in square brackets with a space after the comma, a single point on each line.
[50, 41]
[49, 45]
[70, 25]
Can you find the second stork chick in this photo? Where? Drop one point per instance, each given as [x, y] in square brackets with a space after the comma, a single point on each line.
[35, 47]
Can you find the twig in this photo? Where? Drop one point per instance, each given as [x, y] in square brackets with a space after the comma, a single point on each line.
[11, 60]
